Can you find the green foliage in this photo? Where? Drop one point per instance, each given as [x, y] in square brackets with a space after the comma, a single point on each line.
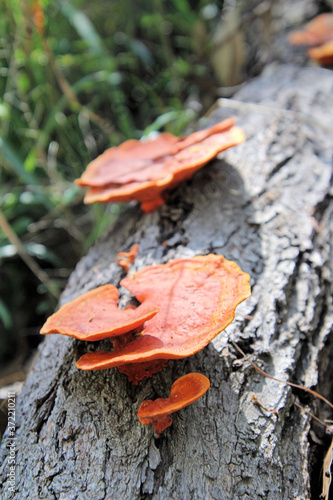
[96, 74]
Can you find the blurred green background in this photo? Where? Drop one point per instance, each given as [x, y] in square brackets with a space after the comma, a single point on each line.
[77, 77]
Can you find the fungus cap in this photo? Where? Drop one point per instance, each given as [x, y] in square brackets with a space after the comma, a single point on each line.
[95, 316]
[196, 298]
[117, 162]
[184, 392]
[143, 171]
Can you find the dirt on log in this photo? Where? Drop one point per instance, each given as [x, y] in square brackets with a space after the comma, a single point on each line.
[267, 205]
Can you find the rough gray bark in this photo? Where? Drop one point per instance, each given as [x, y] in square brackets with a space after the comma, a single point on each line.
[266, 205]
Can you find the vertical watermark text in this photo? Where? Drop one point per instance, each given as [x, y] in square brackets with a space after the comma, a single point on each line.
[12, 443]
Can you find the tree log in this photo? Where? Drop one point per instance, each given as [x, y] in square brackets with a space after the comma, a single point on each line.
[267, 205]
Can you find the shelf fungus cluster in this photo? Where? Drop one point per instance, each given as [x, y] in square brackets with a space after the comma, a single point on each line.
[146, 171]
[318, 35]
[184, 304]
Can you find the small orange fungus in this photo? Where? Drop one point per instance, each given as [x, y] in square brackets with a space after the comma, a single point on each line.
[125, 259]
[184, 392]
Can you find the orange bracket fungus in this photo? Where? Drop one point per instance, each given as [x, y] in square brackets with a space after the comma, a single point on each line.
[95, 316]
[125, 259]
[318, 34]
[196, 299]
[184, 392]
[146, 170]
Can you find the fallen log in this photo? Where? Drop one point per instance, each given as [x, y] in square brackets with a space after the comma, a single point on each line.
[267, 205]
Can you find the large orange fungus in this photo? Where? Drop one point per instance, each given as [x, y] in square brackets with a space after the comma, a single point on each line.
[146, 170]
[184, 392]
[196, 299]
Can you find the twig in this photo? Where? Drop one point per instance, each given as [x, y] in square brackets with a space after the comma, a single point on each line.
[256, 401]
[311, 414]
[306, 389]
[38, 19]
[69, 92]
[29, 261]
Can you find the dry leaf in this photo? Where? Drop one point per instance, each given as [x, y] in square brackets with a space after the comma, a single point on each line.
[327, 476]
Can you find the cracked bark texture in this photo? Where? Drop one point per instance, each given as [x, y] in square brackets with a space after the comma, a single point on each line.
[267, 205]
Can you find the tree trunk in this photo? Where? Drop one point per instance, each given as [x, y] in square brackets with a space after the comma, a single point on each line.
[266, 205]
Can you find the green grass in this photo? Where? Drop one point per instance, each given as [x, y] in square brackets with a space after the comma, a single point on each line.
[95, 77]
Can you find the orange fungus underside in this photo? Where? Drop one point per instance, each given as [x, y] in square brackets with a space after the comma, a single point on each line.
[145, 170]
[184, 391]
[322, 55]
[95, 316]
[196, 299]
[138, 371]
